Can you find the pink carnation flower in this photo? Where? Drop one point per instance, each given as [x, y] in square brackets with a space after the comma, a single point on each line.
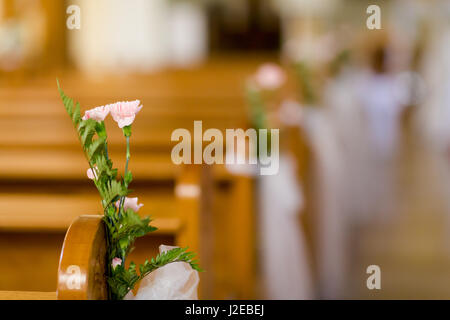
[130, 203]
[125, 112]
[97, 114]
[116, 262]
[270, 76]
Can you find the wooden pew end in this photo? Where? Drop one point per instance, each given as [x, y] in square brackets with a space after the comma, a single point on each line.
[82, 266]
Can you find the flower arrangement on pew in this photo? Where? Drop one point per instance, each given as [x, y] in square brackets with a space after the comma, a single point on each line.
[267, 103]
[123, 224]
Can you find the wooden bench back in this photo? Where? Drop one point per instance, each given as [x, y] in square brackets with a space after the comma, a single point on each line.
[82, 266]
[81, 272]
[43, 154]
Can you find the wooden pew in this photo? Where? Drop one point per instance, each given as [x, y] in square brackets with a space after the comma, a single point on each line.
[82, 263]
[27, 295]
[44, 172]
[82, 266]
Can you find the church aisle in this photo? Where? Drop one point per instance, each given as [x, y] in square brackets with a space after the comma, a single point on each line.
[411, 243]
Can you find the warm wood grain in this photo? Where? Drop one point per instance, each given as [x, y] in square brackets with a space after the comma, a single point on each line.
[243, 240]
[57, 211]
[82, 267]
[27, 295]
[29, 260]
[191, 193]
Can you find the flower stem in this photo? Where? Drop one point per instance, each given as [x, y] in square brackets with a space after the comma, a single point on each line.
[106, 150]
[126, 170]
[128, 154]
[106, 140]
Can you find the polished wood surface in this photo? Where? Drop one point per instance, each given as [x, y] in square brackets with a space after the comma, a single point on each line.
[31, 260]
[27, 295]
[82, 267]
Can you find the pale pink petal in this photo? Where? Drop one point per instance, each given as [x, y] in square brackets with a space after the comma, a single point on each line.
[91, 173]
[270, 76]
[124, 113]
[116, 262]
[123, 122]
[97, 114]
[130, 203]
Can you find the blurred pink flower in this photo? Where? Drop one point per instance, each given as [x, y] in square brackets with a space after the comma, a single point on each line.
[130, 203]
[116, 262]
[92, 174]
[125, 112]
[97, 114]
[270, 76]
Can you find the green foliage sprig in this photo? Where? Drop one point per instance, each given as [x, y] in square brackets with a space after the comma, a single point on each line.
[305, 78]
[123, 225]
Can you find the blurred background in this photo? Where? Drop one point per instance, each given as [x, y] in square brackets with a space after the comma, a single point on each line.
[364, 139]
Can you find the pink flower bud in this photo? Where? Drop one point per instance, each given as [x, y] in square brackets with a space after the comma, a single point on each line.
[97, 114]
[270, 76]
[125, 112]
[130, 203]
[92, 174]
[116, 262]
